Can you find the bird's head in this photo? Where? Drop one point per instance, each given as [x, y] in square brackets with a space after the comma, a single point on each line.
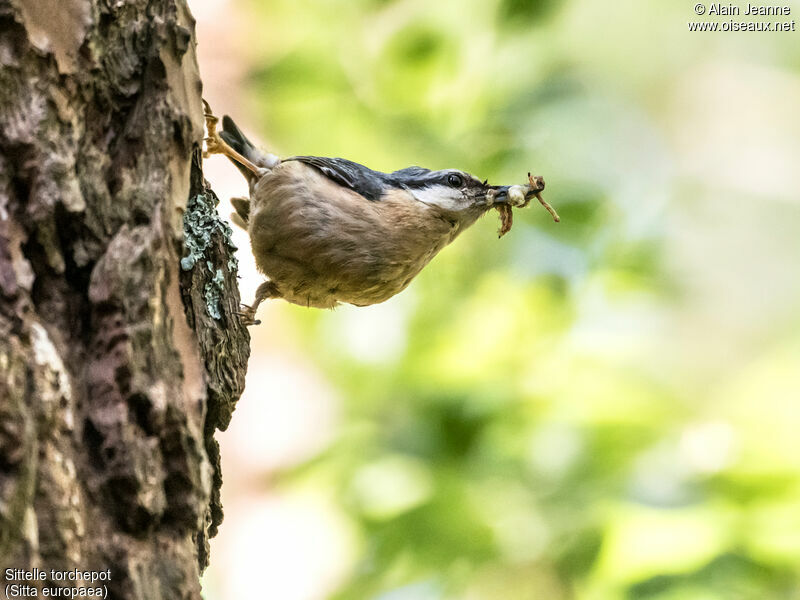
[459, 196]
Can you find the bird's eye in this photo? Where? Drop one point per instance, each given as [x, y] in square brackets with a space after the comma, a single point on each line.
[455, 180]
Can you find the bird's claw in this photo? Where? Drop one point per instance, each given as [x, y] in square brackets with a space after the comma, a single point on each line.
[211, 147]
[211, 119]
[248, 316]
[213, 140]
[216, 145]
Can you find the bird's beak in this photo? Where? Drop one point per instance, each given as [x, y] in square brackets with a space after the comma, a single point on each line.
[515, 195]
[497, 194]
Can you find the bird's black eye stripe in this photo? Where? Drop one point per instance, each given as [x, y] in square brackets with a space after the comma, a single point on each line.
[455, 180]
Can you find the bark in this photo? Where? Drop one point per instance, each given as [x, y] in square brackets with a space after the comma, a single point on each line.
[120, 350]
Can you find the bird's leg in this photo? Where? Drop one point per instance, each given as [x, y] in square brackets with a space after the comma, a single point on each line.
[216, 145]
[264, 291]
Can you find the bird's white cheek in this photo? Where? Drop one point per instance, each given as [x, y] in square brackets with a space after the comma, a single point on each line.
[447, 201]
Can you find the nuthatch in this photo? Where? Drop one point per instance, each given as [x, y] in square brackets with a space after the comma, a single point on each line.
[328, 230]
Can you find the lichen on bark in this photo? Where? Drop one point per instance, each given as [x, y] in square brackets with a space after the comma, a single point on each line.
[201, 224]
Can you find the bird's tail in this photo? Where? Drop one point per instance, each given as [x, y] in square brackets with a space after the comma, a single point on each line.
[239, 142]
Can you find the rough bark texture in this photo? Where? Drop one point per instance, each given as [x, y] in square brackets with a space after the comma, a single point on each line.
[120, 353]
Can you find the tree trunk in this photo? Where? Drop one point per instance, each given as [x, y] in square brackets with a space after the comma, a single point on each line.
[120, 350]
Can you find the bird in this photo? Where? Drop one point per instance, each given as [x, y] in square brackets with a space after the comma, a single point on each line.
[327, 231]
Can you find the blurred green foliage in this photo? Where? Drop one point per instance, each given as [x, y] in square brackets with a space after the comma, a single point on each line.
[517, 425]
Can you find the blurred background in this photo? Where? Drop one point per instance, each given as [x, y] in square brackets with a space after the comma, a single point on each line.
[607, 408]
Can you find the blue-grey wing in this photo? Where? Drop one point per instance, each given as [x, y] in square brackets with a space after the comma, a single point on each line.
[349, 174]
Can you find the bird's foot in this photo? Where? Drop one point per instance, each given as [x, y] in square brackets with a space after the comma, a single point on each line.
[216, 145]
[213, 141]
[248, 315]
[268, 289]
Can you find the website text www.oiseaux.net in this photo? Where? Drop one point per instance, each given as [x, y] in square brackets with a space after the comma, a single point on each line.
[717, 10]
[742, 26]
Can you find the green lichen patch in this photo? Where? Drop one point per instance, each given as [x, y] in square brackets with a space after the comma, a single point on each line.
[213, 293]
[201, 228]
